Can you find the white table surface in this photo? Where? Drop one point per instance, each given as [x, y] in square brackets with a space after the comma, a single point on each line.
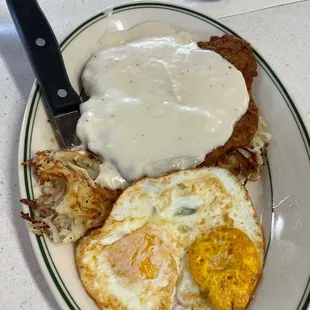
[280, 34]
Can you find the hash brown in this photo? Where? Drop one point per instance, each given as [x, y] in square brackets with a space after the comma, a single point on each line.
[71, 203]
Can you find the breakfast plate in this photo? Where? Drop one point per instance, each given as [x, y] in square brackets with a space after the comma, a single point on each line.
[281, 195]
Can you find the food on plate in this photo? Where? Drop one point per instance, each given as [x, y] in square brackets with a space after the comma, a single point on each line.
[246, 161]
[188, 240]
[186, 104]
[226, 264]
[148, 237]
[70, 201]
[156, 104]
[244, 152]
[192, 103]
[235, 50]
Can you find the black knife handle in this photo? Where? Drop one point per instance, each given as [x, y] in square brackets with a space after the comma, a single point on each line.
[44, 54]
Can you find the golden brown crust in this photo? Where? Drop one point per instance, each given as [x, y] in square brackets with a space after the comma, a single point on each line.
[239, 53]
[79, 201]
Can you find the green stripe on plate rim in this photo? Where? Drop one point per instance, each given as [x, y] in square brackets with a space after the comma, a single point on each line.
[29, 192]
[305, 300]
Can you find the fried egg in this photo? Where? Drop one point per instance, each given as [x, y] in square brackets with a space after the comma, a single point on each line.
[182, 241]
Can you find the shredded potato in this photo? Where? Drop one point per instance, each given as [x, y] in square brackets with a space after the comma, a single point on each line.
[70, 202]
[246, 162]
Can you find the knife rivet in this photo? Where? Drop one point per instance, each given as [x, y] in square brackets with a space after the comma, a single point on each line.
[62, 93]
[40, 42]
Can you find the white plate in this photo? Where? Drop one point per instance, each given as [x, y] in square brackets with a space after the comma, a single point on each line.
[281, 197]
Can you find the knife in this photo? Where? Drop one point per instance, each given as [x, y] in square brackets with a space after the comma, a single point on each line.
[43, 51]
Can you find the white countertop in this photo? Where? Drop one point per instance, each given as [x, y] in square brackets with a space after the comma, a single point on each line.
[280, 34]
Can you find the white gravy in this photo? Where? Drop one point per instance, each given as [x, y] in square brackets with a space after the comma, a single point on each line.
[157, 104]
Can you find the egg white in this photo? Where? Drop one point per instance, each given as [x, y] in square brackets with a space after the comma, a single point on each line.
[180, 206]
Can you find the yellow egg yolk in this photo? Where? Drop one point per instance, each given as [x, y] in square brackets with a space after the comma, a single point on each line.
[226, 265]
[138, 255]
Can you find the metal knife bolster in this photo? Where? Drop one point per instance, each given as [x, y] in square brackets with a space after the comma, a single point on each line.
[65, 124]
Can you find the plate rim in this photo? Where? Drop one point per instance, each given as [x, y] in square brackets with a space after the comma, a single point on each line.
[56, 287]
